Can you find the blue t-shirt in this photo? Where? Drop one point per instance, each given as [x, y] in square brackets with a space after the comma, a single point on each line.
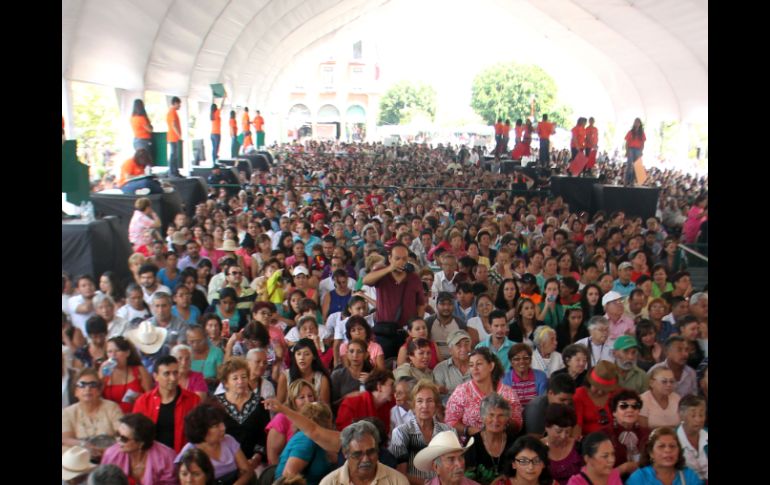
[165, 280]
[646, 476]
[195, 312]
[302, 447]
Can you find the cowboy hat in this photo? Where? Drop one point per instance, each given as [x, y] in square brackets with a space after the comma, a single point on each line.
[228, 246]
[75, 461]
[441, 444]
[147, 337]
[179, 238]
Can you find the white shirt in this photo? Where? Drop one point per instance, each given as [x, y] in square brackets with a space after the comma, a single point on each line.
[550, 365]
[65, 307]
[129, 313]
[442, 283]
[79, 319]
[339, 327]
[476, 323]
[698, 460]
[327, 285]
[598, 352]
[148, 296]
[399, 416]
[323, 331]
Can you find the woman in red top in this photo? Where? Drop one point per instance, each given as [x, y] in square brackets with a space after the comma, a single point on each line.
[233, 135]
[635, 139]
[128, 375]
[592, 401]
[141, 126]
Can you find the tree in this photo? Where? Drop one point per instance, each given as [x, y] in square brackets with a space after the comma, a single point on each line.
[95, 124]
[508, 90]
[404, 100]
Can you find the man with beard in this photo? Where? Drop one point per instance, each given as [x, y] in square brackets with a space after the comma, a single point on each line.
[360, 445]
[149, 282]
[630, 375]
[444, 457]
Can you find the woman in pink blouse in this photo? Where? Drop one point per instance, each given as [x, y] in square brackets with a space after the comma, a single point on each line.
[144, 219]
[464, 405]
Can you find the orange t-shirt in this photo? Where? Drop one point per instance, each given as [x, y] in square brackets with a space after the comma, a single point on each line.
[233, 127]
[137, 124]
[578, 137]
[545, 129]
[592, 136]
[499, 128]
[129, 169]
[172, 118]
[216, 124]
[635, 142]
[259, 122]
[245, 122]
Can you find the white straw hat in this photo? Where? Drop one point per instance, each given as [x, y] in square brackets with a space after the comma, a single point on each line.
[147, 337]
[441, 444]
[75, 461]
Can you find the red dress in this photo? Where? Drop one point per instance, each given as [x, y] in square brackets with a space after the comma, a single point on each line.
[115, 392]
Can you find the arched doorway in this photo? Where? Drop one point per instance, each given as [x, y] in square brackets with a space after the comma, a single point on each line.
[355, 123]
[300, 122]
[328, 123]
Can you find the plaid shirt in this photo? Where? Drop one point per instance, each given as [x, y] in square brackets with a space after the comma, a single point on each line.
[407, 440]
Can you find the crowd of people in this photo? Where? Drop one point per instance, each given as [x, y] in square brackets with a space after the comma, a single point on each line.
[362, 313]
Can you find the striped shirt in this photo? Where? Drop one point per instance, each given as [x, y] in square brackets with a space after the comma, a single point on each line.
[407, 440]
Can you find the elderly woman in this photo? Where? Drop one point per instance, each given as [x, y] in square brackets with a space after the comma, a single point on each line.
[205, 430]
[563, 454]
[419, 354]
[281, 428]
[527, 382]
[599, 458]
[141, 458]
[464, 405]
[485, 458]
[135, 309]
[660, 401]
[195, 468]
[89, 417]
[143, 219]
[303, 456]
[599, 331]
[628, 436]
[663, 462]
[575, 357]
[693, 438]
[245, 418]
[414, 435]
[128, 379]
[105, 308]
[592, 400]
[188, 378]
[528, 459]
[545, 357]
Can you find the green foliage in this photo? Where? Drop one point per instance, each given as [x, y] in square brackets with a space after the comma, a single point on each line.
[95, 112]
[405, 101]
[506, 91]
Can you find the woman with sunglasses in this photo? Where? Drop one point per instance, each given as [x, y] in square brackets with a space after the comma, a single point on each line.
[661, 403]
[141, 458]
[90, 416]
[627, 435]
[599, 457]
[528, 458]
[563, 455]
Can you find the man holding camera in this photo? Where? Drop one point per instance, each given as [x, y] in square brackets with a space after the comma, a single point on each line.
[400, 297]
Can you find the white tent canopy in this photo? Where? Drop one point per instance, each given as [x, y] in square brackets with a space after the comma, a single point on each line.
[651, 56]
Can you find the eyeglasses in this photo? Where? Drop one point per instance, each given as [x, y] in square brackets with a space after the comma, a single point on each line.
[528, 462]
[85, 384]
[124, 439]
[357, 455]
[603, 417]
[622, 405]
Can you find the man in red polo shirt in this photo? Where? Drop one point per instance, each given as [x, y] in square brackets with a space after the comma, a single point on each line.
[167, 404]
[376, 401]
[544, 131]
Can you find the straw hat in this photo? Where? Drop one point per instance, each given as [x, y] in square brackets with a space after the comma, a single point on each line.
[229, 246]
[147, 337]
[75, 461]
[604, 375]
[179, 238]
[441, 444]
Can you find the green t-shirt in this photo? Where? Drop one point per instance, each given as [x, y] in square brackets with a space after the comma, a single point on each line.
[209, 366]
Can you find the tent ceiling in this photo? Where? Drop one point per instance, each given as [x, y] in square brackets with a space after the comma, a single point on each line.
[651, 56]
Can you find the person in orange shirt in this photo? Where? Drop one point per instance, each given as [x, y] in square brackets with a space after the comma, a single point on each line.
[592, 136]
[506, 135]
[544, 130]
[499, 127]
[259, 126]
[233, 135]
[174, 138]
[635, 139]
[134, 166]
[246, 127]
[216, 130]
[578, 137]
[141, 126]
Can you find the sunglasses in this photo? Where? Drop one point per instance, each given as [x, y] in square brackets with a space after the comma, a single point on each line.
[622, 405]
[91, 384]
